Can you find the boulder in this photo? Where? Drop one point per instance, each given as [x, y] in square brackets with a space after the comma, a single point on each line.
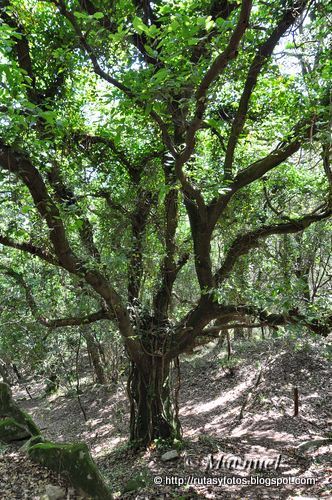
[11, 431]
[134, 484]
[53, 492]
[75, 463]
[71, 460]
[33, 440]
[169, 455]
[8, 408]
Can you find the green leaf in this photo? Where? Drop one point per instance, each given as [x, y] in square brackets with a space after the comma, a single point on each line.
[161, 75]
[150, 51]
[78, 223]
[98, 15]
[209, 23]
[49, 116]
[139, 26]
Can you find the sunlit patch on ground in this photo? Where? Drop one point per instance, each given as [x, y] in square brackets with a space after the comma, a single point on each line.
[210, 405]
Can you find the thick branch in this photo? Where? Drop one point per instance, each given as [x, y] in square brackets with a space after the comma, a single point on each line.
[274, 320]
[244, 243]
[138, 224]
[67, 196]
[169, 268]
[327, 152]
[29, 248]
[218, 65]
[211, 75]
[52, 323]
[253, 172]
[201, 234]
[19, 164]
[21, 47]
[76, 321]
[217, 9]
[264, 52]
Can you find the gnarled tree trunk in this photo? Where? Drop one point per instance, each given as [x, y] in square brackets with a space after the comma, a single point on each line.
[153, 405]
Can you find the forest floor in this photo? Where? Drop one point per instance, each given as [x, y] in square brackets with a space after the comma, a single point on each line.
[211, 398]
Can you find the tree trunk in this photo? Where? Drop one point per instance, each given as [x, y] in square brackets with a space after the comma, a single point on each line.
[95, 357]
[238, 333]
[153, 409]
[4, 373]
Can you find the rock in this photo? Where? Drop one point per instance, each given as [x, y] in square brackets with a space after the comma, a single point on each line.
[31, 442]
[134, 484]
[169, 455]
[73, 461]
[10, 431]
[53, 492]
[9, 408]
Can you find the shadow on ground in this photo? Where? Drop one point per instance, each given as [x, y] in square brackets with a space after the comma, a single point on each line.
[211, 402]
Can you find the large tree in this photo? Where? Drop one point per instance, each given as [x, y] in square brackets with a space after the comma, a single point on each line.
[140, 140]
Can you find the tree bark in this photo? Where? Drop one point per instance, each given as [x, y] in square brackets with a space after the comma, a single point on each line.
[94, 353]
[239, 333]
[4, 373]
[153, 412]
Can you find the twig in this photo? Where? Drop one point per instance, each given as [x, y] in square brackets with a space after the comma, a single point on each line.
[296, 401]
[229, 346]
[78, 378]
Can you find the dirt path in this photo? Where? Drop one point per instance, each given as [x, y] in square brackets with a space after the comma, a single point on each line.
[211, 401]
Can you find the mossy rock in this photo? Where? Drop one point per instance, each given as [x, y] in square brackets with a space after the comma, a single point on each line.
[8, 408]
[75, 462]
[31, 442]
[10, 431]
[72, 460]
[134, 484]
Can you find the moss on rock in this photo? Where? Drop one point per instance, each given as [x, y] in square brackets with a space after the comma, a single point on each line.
[10, 431]
[72, 460]
[8, 408]
[75, 462]
[32, 441]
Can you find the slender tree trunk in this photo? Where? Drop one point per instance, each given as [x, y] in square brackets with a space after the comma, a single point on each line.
[94, 354]
[17, 373]
[263, 332]
[238, 333]
[153, 412]
[4, 373]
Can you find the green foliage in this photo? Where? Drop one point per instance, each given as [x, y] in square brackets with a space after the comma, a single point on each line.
[163, 445]
[101, 99]
[230, 363]
[138, 481]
